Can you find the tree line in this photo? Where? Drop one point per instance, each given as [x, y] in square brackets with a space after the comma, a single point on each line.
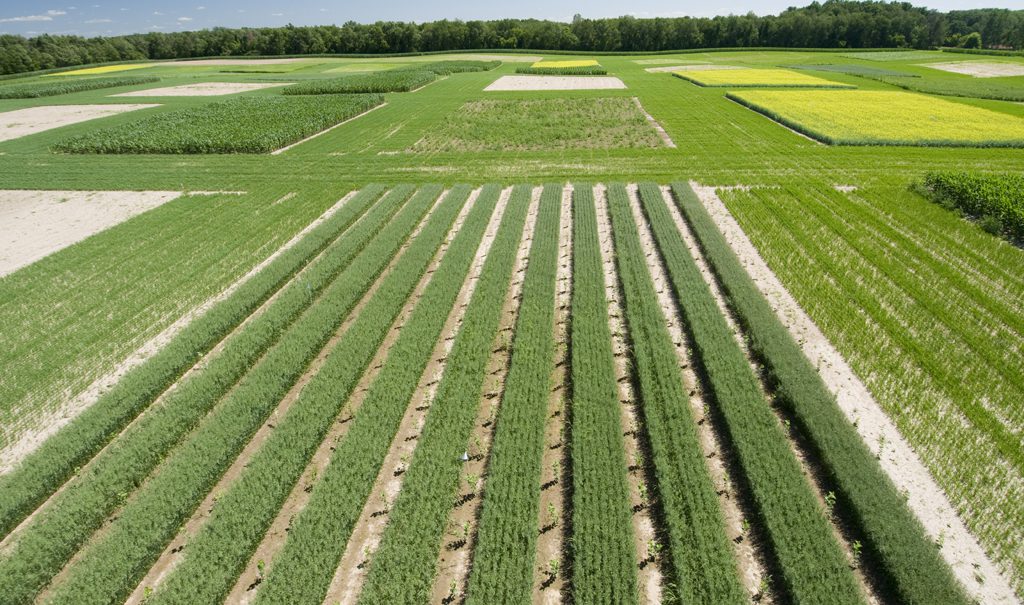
[832, 24]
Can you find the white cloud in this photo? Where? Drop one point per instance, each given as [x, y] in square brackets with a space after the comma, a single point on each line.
[184, 19]
[50, 14]
[276, 14]
[156, 27]
[158, 13]
[91, 21]
[200, 8]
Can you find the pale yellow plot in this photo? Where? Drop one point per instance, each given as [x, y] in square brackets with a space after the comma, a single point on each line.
[563, 64]
[874, 117]
[106, 69]
[757, 77]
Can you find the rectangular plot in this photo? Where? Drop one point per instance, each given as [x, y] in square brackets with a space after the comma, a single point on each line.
[23, 122]
[885, 118]
[527, 83]
[981, 69]
[757, 78]
[202, 89]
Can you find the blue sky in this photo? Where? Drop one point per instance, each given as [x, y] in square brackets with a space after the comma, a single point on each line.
[31, 17]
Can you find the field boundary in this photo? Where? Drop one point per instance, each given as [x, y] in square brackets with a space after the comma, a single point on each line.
[326, 130]
[929, 503]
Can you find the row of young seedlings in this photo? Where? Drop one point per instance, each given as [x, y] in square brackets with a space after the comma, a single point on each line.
[58, 458]
[215, 558]
[906, 564]
[502, 568]
[404, 568]
[51, 537]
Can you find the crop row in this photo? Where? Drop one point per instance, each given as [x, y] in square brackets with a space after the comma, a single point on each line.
[51, 538]
[376, 82]
[42, 472]
[444, 68]
[996, 201]
[604, 557]
[217, 555]
[914, 569]
[506, 543]
[53, 88]
[244, 125]
[403, 567]
[801, 539]
[699, 558]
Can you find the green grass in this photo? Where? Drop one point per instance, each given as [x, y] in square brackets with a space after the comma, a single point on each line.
[536, 125]
[995, 201]
[244, 125]
[379, 82]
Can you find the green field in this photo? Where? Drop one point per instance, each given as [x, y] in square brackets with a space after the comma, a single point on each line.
[522, 360]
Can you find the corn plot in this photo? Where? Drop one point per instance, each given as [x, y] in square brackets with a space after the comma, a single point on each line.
[264, 380]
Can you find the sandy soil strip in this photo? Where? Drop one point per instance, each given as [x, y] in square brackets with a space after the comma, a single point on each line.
[202, 89]
[453, 562]
[649, 573]
[748, 551]
[173, 553]
[521, 83]
[351, 573]
[924, 496]
[657, 126]
[980, 69]
[34, 224]
[217, 62]
[549, 587]
[666, 61]
[323, 132]
[31, 120]
[56, 420]
[655, 70]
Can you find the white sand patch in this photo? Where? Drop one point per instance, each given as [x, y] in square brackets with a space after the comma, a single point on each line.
[34, 224]
[216, 62]
[654, 70]
[522, 83]
[202, 89]
[980, 69]
[925, 498]
[23, 122]
[460, 57]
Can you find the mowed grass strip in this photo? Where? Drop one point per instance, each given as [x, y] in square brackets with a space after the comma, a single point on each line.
[502, 568]
[604, 559]
[258, 124]
[403, 568]
[541, 125]
[799, 535]
[42, 472]
[109, 566]
[52, 537]
[913, 566]
[378, 82]
[35, 90]
[757, 78]
[700, 561]
[215, 557]
[872, 117]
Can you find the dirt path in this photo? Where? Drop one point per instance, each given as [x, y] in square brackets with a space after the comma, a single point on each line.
[549, 587]
[924, 496]
[75, 406]
[453, 563]
[351, 573]
[649, 574]
[174, 552]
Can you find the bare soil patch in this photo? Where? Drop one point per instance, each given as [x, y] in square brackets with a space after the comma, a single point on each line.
[665, 62]
[924, 496]
[527, 83]
[980, 69]
[31, 120]
[201, 89]
[34, 224]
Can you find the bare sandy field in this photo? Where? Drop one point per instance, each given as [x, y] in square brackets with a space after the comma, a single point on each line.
[979, 69]
[664, 61]
[23, 122]
[217, 62]
[202, 89]
[654, 70]
[514, 83]
[34, 224]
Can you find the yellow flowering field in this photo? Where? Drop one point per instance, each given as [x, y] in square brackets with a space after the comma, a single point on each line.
[872, 117]
[757, 78]
[106, 69]
[564, 64]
